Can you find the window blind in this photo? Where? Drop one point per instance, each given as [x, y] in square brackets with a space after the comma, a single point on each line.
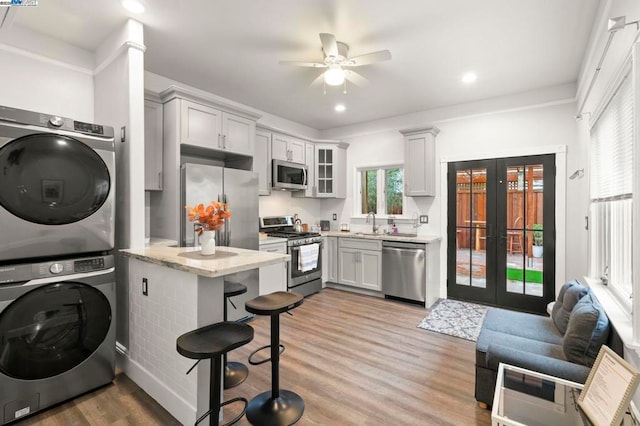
[611, 190]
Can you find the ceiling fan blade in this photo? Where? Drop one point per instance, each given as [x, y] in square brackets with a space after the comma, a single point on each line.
[303, 64]
[369, 58]
[317, 81]
[329, 44]
[355, 78]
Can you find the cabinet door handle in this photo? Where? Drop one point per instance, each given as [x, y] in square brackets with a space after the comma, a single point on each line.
[159, 180]
[224, 141]
[219, 138]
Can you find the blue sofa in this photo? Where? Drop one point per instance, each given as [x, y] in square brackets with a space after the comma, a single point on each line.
[564, 345]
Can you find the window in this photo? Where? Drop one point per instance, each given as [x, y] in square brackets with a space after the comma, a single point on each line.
[611, 191]
[381, 190]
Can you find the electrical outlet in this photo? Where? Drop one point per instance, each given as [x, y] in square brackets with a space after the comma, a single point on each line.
[335, 216]
[424, 218]
[145, 287]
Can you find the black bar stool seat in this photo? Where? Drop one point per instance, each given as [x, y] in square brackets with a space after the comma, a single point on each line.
[275, 407]
[234, 372]
[212, 342]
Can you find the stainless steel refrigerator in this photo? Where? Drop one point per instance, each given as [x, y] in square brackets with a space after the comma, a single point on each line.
[239, 189]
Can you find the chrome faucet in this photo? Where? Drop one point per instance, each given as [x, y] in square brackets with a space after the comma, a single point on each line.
[374, 228]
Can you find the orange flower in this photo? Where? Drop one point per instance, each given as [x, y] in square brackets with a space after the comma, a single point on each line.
[210, 218]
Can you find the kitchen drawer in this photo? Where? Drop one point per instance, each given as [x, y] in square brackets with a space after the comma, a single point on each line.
[360, 243]
[277, 247]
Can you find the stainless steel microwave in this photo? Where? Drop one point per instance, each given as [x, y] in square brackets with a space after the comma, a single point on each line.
[289, 176]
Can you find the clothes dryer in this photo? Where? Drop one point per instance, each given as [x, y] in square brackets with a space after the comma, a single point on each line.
[57, 332]
[57, 185]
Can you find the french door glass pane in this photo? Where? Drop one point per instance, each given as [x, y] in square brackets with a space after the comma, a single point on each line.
[471, 192]
[524, 232]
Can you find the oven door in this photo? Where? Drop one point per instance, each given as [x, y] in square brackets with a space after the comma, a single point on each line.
[296, 275]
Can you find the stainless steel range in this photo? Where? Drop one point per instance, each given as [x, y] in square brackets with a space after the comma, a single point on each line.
[305, 248]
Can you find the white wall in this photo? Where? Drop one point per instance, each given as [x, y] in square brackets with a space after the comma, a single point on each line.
[59, 82]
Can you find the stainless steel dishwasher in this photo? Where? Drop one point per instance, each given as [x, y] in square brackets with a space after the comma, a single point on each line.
[404, 270]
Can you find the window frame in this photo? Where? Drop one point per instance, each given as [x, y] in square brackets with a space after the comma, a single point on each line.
[381, 189]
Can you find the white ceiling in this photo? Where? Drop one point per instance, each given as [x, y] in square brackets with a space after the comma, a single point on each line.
[232, 48]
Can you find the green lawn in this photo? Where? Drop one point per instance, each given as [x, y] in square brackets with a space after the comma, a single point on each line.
[514, 274]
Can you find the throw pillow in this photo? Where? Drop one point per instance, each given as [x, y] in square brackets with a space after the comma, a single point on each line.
[569, 295]
[587, 330]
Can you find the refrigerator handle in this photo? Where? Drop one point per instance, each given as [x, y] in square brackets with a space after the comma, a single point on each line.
[227, 225]
[183, 211]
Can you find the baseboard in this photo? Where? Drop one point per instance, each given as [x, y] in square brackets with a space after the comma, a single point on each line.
[354, 289]
[184, 412]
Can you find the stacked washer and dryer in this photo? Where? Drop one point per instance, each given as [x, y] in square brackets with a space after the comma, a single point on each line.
[57, 279]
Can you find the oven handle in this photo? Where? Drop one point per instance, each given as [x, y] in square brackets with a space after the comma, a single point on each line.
[298, 247]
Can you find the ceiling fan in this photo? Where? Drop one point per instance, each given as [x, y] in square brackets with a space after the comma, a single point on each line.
[337, 63]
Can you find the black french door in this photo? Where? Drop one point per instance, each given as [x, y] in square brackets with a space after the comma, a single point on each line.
[501, 232]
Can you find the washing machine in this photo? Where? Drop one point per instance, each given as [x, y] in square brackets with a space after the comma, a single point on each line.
[57, 332]
[57, 185]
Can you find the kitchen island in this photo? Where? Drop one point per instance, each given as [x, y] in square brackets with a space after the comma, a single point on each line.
[173, 290]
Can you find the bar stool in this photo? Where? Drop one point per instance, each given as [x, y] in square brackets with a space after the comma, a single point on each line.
[211, 342]
[276, 407]
[234, 372]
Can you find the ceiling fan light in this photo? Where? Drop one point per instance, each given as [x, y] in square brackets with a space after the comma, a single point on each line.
[334, 76]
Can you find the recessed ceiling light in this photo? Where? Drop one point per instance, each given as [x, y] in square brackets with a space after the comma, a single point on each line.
[469, 77]
[133, 6]
[340, 108]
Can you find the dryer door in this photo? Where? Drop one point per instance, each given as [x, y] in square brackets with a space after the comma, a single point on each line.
[52, 179]
[52, 329]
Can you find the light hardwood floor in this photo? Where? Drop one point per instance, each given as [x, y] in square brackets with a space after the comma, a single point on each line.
[355, 360]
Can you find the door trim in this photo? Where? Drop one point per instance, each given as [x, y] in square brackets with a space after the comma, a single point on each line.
[560, 194]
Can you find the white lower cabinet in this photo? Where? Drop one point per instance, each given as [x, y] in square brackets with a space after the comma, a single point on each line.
[273, 277]
[360, 263]
[330, 260]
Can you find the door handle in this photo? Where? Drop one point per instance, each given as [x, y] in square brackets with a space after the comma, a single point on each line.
[224, 141]
[219, 137]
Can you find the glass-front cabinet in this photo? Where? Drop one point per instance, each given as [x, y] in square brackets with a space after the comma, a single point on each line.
[330, 171]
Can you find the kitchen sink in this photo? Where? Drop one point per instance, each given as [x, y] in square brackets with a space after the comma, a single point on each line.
[368, 234]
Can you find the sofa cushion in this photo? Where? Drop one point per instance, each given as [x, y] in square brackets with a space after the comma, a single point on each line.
[522, 324]
[587, 330]
[570, 294]
[491, 337]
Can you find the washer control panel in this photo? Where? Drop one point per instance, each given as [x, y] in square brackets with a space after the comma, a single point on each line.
[88, 265]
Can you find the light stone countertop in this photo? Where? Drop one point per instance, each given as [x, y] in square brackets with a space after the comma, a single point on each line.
[226, 260]
[426, 239]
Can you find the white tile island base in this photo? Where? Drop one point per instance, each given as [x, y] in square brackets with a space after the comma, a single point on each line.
[182, 294]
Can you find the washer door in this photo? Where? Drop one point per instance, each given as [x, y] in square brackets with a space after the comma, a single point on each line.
[52, 179]
[52, 329]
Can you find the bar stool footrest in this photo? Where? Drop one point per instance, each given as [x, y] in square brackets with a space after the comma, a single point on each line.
[262, 361]
[239, 416]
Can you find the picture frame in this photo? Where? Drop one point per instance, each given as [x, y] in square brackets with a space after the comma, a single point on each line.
[608, 389]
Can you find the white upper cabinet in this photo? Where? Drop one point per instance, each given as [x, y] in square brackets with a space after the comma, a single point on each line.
[200, 125]
[331, 171]
[262, 161]
[152, 145]
[312, 188]
[420, 162]
[287, 148]
[238, 134]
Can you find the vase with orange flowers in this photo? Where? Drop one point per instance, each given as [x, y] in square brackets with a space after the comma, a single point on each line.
[207, 220]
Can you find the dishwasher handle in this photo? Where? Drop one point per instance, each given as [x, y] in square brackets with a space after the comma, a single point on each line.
[402, 245]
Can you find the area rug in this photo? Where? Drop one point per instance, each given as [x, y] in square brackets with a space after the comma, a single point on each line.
[455, 318]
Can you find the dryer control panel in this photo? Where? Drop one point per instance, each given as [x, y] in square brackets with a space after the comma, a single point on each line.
[54, 268]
